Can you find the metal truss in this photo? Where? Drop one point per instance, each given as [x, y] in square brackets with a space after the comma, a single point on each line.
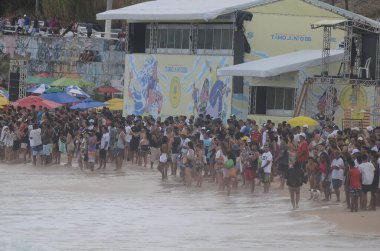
[347, 49]
[377, 75]
[326, 50]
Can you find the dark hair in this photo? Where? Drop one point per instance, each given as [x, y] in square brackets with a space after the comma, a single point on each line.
[190, 145]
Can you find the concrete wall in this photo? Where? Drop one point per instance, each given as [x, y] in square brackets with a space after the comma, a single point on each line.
[61, 56]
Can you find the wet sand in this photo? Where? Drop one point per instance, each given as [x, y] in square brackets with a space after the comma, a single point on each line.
[61, 208]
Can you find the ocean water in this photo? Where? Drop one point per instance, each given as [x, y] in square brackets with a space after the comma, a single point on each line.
[59, 208]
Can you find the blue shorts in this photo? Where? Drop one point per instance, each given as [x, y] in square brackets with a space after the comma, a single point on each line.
[37, 150]
[336, 183]
[118, 152]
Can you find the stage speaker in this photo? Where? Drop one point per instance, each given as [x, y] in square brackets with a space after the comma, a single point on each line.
[14, 84]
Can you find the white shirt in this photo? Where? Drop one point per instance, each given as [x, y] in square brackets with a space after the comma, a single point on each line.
[265, 158]
[105, 140]
[264, 139]
[219, 154]
[368, 172]
[337, 174]
[35, 137]
[128, 134]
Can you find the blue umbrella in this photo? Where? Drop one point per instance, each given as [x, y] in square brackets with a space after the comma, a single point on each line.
[87, 104]
[60, 97]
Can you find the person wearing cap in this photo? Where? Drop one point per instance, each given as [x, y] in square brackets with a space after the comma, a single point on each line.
[354, 183]
[266, 165]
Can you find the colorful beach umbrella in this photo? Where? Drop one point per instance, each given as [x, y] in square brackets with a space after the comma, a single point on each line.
[71, 80]
[76, 92]
[115, 104]
[3, 101]
[60, 97]
[4, 93]
[302, 120]
[39, 89]
[88, 104]
[37, 101]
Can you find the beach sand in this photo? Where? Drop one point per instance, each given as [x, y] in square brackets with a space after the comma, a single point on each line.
[362, 222]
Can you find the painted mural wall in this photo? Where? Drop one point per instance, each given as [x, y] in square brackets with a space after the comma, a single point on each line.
[165, 85]
[290, 29]
[96, 60]
[349, 103]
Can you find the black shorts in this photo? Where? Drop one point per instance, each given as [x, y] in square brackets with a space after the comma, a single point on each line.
[366, 188]
[103, 154]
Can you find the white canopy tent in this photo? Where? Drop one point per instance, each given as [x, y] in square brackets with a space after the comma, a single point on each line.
[177, 10]
[274, 66]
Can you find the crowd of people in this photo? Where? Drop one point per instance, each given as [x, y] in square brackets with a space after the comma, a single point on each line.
[329, 160]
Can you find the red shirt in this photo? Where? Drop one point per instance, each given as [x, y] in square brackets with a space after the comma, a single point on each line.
[355, 178]
[303, 151]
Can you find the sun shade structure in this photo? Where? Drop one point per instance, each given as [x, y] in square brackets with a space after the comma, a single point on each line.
[3, 101]
[302, 120]
[177, 10]
[67, 81]
[37, 101]
[4, 93]
[39, 89]
[115, 104]
[76, 92]
[34, 80]
[88, 104]
[274, 66]
[107, 89]
[60, 97]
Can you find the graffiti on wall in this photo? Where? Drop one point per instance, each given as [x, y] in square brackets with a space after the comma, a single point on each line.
[161, 85]
[96, 60]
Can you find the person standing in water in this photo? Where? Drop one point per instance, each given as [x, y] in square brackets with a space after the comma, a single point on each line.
[266, 165]
[294, 180]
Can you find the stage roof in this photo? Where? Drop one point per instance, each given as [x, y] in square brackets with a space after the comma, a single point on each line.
[177, 10]
[274, 66]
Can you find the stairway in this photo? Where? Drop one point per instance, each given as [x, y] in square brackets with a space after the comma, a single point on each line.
[301, 98]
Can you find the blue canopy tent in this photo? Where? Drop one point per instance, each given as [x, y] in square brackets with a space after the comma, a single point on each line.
[88, 104]
[60, 97]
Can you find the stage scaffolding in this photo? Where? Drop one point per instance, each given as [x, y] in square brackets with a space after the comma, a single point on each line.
[353, 29]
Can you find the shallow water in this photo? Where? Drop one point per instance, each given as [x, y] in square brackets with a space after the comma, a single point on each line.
[60, 208]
